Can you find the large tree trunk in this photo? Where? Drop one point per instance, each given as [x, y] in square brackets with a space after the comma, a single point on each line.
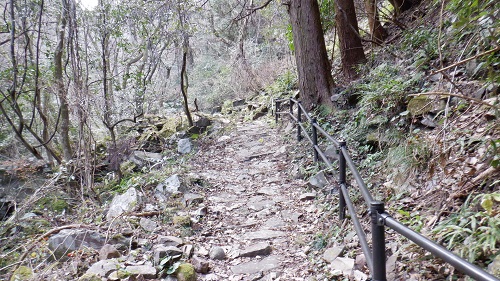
[378, 32]
[351, 49]
[61, 91]
[315, 80]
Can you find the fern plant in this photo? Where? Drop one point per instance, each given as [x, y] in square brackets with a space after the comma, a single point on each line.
[473, 232]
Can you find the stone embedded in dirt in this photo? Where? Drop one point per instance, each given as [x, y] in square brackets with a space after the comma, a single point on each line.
[200, 265]
[308, 196]
[318, 180]
[143, 158]
[331, 152]
[259, 249]
[108, 251]
[252, 267]
[104, 268]
[217, 253]
[68, 240]
[343, 264]
[172, 184]
[258, 204]
[360, 261]
[192, 198]
[201, 212]
[162, 251]
[494, 266]
[274, 223]
[184, 146]
[263, 234]
[188, 250]
[123, 203]
[185, 272]
[290, 215]
[138, 271]
[331, 254]
[359, 276]
[170, 240]
[148, 225]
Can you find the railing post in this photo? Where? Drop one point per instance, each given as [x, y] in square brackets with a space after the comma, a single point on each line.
[342, 180]
[299, 120]
[277, 106]
[378, 241]
[314, 138]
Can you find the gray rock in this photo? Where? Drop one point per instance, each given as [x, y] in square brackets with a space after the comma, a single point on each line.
[259, 249]
[359, 276]
[125, 202]
[343, 264]
[184, 146]
[143, 158]
[494, 266]
[290, 215]
[217, 253]
[319, 180]
[200, 265]
[188, 250]
[263, 234]
[147, 224]
[162, 251]
[172, 184]
[308, 196]
[170, 240]
[360, 261]
[274, 223]
[331, 254]
[104, 268]
[203, 122]
[331, 153]
[145, 271]
[108, 252]
[68, 240]
[428, 122]
[192, 198]
[252, 267]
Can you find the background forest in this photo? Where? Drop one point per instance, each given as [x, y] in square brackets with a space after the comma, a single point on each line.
[411, 85]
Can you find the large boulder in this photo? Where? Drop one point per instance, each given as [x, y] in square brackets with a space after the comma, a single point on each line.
[123, 203]
[68, 240]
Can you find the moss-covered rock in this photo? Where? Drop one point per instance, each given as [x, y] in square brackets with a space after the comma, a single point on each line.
[22, 273]
[89, 277]
[182, 220]
[186, 272]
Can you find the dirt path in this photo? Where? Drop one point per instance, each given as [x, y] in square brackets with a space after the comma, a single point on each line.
[254, 208]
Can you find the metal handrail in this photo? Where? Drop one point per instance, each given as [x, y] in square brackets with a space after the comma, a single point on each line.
[375, 257]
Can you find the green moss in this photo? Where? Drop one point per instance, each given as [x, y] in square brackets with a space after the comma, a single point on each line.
[54, 204]
[22, 273]
[185, 272]
[89, 277]
[182, 220]
[419, 105]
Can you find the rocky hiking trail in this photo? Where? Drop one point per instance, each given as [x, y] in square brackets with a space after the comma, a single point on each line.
[238, 210]
[260, 220]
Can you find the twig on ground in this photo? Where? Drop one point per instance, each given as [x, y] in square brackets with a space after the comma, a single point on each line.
[455, 95]
[466, 60]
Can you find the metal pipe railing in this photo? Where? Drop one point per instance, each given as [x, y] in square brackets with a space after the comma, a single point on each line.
[438, 250]
[375, 258]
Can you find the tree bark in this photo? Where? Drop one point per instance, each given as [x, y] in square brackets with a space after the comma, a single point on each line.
[61, 90]
[378, 32]
[351, 49]
[400, 6]
[315, 80]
